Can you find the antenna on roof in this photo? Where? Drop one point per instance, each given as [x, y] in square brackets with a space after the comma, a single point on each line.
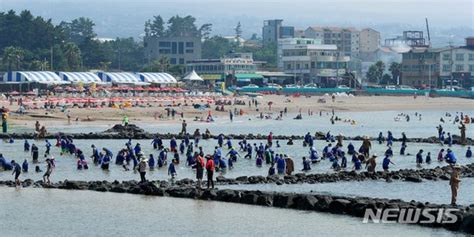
[428, 32]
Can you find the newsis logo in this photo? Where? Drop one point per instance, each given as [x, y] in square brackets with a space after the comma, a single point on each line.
[411, 215]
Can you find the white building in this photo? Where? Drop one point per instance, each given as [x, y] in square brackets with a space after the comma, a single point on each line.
[309, 61]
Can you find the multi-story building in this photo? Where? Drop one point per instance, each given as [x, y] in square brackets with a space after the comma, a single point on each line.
[447, 66]
[273, 30]
[457, 65]
[346, 39]
[309, 61]
[369, 40]
[420, 67]
[178, 50]
[239, 65]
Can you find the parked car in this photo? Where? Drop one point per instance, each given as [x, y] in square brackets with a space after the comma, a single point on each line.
[292, 86]
[390, 87]
[402, 87]
[250, 86]
[312, 86]
[343, 87]
[273, 85]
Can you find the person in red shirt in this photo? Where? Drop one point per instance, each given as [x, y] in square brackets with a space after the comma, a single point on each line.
[270, 139]
[210, 167]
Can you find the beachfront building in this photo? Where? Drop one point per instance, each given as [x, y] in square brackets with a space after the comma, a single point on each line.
[457, 65]
[273, 30]
[310, 61]
[178, 50]
[238, 65]
[347, 39]
[420, 67]
[447, 66]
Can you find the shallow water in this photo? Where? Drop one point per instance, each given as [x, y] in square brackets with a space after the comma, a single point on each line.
[43, 212]
[428, 191]
[66, 164]
[368, 123]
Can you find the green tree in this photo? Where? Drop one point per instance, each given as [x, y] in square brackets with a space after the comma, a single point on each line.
[13, 56]
[375, 72]
[395, 69]
[182, 26]
[216, 47]
[238, 31]
[386, 79]
[73, 55]
[205, 31]
[157, 26]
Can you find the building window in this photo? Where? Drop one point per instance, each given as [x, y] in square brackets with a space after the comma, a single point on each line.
[471, 57]
[297, 66]
[181, 61]
[165, 44]
[189, 44]
[189, 51]
[459, 57]
[471, 68]
[173, 61]
[313, 65]
[446, 68]
[174, 47]
[288, 66]
[459, 67]
[181, 48]
[446, 56]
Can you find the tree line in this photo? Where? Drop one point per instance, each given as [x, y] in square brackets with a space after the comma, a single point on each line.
[30, 42]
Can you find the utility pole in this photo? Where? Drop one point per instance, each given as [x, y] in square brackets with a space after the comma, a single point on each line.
[451, 62]
[51, 57]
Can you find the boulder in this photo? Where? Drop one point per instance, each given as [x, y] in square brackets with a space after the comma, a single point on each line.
[413, 178]
[339, 206]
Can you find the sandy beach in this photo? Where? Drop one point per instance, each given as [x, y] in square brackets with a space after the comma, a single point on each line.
[294, 105]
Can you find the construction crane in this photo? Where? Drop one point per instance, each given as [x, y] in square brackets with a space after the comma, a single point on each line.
[428, 32]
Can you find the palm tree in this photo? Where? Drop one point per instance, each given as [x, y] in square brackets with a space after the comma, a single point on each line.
[164, 63]
[395, 69]
[13, 56]
[72, 54]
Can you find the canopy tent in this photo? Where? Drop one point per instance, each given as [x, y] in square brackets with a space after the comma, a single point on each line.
[192, 76]
[121, 78]
[157, 78]
[42, 77]
[80, 77]
[247, 77]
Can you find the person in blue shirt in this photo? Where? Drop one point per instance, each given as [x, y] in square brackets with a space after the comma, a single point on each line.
[281, 165]
[172, 170]
[156, 142]
[389, 152]
[120, 158]
[151, 162]
[326, 150]
[386, 162]
[450, 157]
[357, 164]
[389, 139]
[428, 158]
[313, 155]
[306, 165]
[380, 138]
[468, 152]
[137, 149]
[24, 166]
[176, 157]
[229, 143]
[350, 149]
[259, 161]
[231, 163]
[182, 147]
[343, 160]
[222, 164]
[26, 146]
[249, 152]
[48, 148]
[220, 139]
[232, 154]
[173, 145]
[335, 164]
[402, 148]
[105, 162]
[419, 158]
[271, 170]
[449, 140]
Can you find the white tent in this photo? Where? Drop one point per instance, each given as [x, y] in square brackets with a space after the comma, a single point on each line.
[192, 76]
[157, 78]
[80, 77]
[42, 77]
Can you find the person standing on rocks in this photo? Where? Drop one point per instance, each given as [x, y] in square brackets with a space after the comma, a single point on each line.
[290, 166]
[16, 172]
[49, 170]
[462, 129]
[142, 169]
[371, 164]
[183, 127]
[199, 169]
[34, 153]
[454, 182]
[366, 145]
[210, 167]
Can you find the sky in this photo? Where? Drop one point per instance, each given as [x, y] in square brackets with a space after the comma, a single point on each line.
[122, 18]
